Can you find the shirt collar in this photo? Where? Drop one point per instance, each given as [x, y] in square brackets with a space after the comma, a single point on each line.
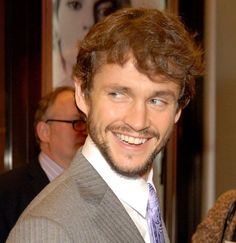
[50, 167]
[132, 191]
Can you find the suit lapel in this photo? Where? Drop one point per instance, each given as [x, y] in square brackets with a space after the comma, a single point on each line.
[110, 217]
[114, 221]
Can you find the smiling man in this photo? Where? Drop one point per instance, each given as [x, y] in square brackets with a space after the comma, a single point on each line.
[134, 74]
[130, 117]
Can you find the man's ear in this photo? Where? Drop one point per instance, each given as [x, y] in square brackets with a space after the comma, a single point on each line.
[80, 98]
[178, 114]
[43, 131]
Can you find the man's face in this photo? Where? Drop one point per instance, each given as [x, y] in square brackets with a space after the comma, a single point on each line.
[130, 117]
[63, 140]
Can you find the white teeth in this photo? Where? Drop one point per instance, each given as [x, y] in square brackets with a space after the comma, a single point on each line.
[131, 140]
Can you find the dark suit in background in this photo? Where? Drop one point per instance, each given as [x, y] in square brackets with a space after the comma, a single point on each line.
[17, 189]
[58, 142]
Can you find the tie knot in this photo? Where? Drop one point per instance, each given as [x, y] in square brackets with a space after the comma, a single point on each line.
[151, 189]
[153, 201]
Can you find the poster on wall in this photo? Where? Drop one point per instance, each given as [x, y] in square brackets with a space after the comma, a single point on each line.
[71, 20]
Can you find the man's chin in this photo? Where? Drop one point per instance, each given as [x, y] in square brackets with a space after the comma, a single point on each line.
[132, 172]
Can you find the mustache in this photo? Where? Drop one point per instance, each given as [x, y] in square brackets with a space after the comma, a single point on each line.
[147, 132]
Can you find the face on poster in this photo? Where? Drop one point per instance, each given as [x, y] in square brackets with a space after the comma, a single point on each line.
[71, 21]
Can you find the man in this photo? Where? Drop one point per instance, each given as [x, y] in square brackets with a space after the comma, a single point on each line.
[58, 141]
[133, 76]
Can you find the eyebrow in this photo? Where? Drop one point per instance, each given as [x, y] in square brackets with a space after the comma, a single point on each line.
[159, 93]
[164, 93]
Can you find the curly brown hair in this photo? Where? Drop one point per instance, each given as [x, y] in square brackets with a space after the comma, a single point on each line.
[157, 41]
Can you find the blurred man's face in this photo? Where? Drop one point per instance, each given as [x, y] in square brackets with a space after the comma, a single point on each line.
[63, 140]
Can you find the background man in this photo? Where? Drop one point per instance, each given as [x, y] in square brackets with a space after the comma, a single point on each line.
[60, 130]
[134, 74]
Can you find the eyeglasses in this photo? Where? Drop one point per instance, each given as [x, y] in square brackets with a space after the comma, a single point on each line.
[78, 125]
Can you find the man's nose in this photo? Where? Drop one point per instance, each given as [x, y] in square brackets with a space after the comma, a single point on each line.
[137, 116]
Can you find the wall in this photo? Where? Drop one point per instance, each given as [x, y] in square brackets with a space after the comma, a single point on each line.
[22, 60]
[2, 85]
[225, 95]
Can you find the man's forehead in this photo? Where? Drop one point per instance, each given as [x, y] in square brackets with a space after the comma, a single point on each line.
[64, 95]
[65, 98]
[128, 59]
[131, 64]
[127, 77]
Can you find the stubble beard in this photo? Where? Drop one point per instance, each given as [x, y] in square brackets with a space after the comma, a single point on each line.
[107, 154]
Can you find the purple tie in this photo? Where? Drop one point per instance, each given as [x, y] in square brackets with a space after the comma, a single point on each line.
[154, 217]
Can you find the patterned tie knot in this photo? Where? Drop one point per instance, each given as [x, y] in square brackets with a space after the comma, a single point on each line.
[154, 217]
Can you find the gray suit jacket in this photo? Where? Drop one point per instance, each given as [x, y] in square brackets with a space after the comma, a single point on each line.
[78, 206]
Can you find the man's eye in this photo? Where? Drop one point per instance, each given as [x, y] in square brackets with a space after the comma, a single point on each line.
[115, 94]
[74, 5]
[159, 102]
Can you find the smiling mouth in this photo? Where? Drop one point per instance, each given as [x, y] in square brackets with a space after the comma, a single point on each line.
[131, 140]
